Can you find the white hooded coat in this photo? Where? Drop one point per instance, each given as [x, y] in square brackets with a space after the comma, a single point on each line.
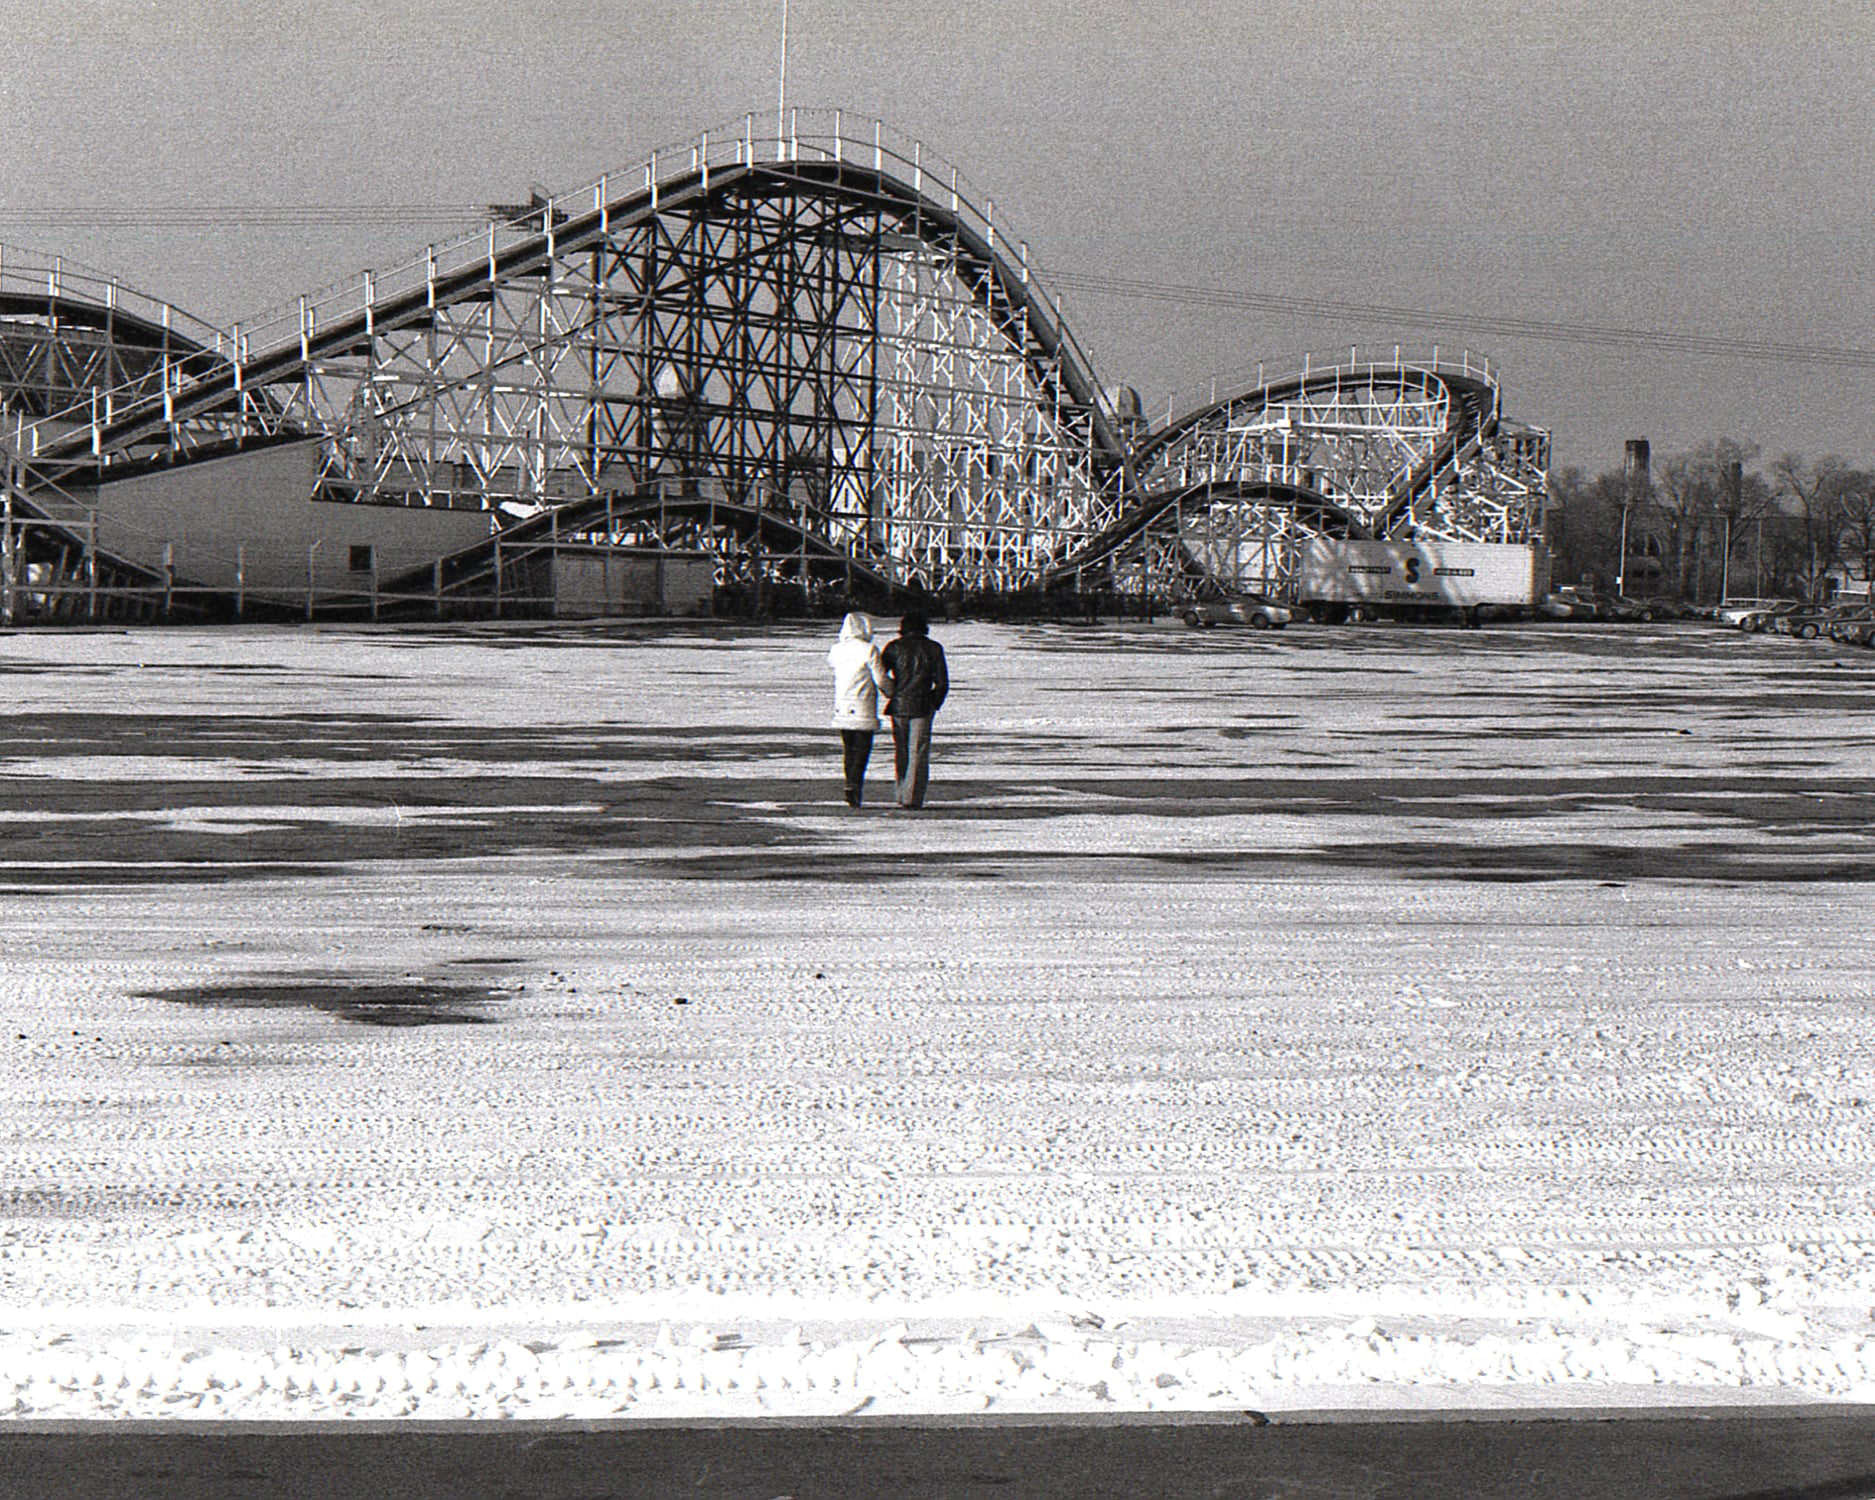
[858, 676]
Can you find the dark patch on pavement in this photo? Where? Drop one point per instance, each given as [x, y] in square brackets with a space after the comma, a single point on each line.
[91, 1203]
[272, 796]
[405, 739]
[1482, 863]
[409, 1002]
[76, 833]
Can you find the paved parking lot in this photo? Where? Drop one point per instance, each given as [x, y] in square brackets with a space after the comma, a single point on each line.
[458, 1024]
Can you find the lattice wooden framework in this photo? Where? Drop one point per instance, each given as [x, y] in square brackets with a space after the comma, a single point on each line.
[1400, 447]
[822, 327]
[77, 346]
[822, 343]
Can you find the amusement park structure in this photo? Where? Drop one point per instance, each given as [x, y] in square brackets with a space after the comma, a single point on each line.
[815, 360]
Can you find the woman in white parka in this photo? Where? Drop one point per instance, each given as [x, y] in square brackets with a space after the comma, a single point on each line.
[858, 680]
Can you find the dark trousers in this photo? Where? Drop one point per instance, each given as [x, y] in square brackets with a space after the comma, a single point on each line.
[856, 745]
[911, 759]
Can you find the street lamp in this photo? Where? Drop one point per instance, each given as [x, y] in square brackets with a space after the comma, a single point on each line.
[1621, 560]
[1735, 483]
[1725, 561]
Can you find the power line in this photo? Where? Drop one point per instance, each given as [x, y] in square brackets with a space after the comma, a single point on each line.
[1325, 309]
[235, 216]
[1659, 341]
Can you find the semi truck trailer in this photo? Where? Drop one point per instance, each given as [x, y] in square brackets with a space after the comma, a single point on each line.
[1355, 580]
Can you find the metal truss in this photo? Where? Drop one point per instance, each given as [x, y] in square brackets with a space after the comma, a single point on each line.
[825, 328]
[1236, 536]
[69, 333]
[1397, 447]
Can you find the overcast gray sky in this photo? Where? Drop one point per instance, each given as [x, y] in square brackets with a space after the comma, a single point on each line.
[1699, 167]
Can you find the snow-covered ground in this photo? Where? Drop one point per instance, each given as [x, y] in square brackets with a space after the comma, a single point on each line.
[483, 1022]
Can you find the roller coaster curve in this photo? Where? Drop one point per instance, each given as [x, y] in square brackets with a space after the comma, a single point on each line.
[1407, 446]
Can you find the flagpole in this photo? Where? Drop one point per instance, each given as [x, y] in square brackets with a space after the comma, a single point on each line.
[781, 88]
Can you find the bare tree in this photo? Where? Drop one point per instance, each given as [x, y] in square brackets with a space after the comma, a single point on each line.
[1712, 515]
[1705, 498]
[1814, 495]
[1856, 502]
[1682, 488]
[1583, 530]
[1786, 554]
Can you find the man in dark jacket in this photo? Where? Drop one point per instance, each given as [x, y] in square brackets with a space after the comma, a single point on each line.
[914, 663]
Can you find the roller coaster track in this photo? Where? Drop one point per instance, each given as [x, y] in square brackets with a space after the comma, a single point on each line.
[826, 340]
[61, 292]
[214, 380]
[1324, 516]
[78, 346]
[1346, 447]
[822, 322]
[662, 517]
[74, 342]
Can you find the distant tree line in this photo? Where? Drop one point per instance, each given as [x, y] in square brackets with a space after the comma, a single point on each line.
[1711, 519]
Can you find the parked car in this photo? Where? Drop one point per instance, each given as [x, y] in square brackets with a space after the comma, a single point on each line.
[1576, 603]
[1621, 607]
[1556, 607]
[1735, 611]
[1809, 621]
[1253, 610]
[1855, 625]
[1591, 604]
[1757, 621]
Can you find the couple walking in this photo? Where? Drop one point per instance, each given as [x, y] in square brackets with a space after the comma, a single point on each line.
[910, 675]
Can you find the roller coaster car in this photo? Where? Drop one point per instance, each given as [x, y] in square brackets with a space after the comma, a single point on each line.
[1238, 609]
